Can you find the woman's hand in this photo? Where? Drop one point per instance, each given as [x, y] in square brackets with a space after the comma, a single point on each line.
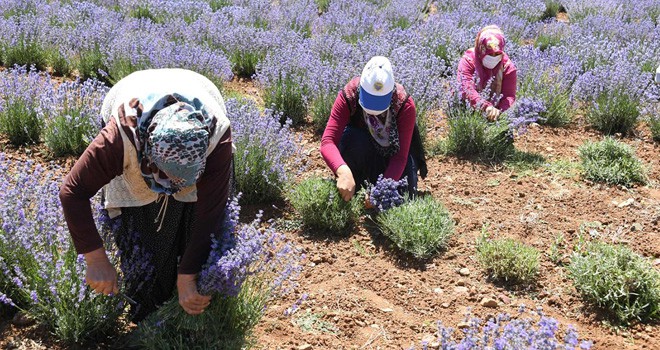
[101, 276]
[345, 182]
[190, 300]
[492, 113]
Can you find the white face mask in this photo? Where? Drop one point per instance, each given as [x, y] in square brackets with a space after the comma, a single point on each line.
[491, 61]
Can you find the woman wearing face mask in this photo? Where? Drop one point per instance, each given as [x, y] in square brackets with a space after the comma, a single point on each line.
[372, 131]
[493, 70]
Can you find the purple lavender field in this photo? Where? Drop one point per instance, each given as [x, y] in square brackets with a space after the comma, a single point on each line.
[585, 73]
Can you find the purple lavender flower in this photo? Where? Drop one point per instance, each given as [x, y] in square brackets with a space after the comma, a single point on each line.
[241, 251]
[503, 332]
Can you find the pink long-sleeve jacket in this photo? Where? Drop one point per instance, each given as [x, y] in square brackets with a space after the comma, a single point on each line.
[469, 66]
[502, 79]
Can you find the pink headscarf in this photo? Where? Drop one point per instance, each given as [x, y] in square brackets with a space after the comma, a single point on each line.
[490, 41]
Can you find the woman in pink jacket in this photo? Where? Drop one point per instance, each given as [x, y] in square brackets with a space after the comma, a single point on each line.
[493, 69]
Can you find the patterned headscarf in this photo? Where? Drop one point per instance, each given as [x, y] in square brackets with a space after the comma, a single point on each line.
[171, 135]
[490, 41]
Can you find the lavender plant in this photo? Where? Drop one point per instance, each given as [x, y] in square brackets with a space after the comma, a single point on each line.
[23, 95]
[612, 95]
[508, 260]
[611, 161]
[267, 153]
[421, 226]
[547, 76]
[618, 280]
[509, 332]
[42, 273]
[321, 207]
[73, 116]
[283, 74]
[248, 267]
[388, 193]
[470, 134]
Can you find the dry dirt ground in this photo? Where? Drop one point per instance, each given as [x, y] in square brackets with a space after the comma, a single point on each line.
[363, 293]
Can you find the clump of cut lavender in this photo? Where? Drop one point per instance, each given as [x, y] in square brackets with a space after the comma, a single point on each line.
[388, 193]
[249, 266]
[524, 112]
[617, 280]
[612, 162]
[506, 332]
[470, 134]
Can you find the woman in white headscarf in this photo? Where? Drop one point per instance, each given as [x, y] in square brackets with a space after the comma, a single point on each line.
[163, 160]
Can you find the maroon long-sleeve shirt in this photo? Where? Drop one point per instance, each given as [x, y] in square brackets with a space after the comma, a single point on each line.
[103, 160]
[340, 117]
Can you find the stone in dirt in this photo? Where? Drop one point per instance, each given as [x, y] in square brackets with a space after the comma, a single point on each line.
[461, 290]
[626, 203]
[428, 338]
[464, 271]
[488, 302]
[304, 347]
[505, 299]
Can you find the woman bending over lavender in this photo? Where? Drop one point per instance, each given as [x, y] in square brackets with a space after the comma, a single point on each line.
[163, 160]
[493, 69]
[372, 131]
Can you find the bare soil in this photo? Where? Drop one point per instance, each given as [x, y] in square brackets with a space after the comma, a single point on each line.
[363, 293]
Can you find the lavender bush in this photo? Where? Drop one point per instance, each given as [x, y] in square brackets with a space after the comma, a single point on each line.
[654, 124]
[612, 95]
[249, 265]
[420, 227]
[267, 153]
[547, 76]
[509, 332]
[470, 134]
[285, 79]
[321, 207]
[508, 260]
[41, 272]
[73, 120]
[23, 96]
[612, 162]
[618, 280]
